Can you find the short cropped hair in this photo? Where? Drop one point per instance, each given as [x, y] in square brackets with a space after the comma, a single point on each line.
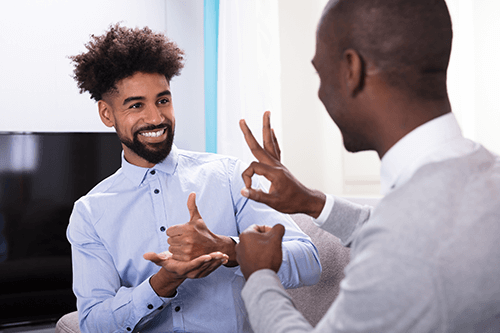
[120, 53]
[408, 40]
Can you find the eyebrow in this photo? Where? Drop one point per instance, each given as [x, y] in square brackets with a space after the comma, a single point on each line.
[141, 98]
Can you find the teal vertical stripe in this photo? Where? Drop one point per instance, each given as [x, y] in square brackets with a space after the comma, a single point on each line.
[211, 38]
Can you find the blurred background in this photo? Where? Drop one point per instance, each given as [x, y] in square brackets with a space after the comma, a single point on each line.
[261, 52]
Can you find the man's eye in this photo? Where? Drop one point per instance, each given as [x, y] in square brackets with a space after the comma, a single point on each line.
[163, 101]
[136, 105]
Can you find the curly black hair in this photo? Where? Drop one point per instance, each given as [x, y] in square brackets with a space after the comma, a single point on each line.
[122, 52]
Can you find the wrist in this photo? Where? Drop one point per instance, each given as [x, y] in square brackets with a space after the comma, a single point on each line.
[315, 203]
[164, 284]
[228, 247]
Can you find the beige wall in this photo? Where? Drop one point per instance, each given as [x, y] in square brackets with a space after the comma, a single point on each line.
[311, 143]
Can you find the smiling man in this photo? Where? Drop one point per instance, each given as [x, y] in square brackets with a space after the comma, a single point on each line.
[148, 253]
[144, 143]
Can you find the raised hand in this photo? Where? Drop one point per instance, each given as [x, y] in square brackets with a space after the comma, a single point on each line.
[193, 239]
[260, 248]
[286, 193]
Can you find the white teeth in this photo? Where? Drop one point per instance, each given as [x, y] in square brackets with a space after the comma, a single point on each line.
[153, 134]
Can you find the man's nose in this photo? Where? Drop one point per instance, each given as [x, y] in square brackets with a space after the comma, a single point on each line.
[153, 115]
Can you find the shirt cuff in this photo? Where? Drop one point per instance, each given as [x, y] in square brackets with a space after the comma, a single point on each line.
[146, 300]
[327, 209]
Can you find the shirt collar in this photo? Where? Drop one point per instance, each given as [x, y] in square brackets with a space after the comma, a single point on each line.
[414, 149]
[138, 174]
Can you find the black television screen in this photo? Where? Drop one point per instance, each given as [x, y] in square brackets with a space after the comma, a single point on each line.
[41, 176]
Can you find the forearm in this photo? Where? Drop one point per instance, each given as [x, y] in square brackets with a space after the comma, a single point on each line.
[122, 312]
[164, 284]
[314, 203]
[104, 304]
[266, 300]
[345, 218]
[300, 265]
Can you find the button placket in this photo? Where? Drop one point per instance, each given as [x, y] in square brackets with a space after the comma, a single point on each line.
[156, 189]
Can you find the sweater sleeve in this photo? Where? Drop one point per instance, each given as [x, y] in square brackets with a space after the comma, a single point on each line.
[345, 219]
[270, 308]
[372, 299]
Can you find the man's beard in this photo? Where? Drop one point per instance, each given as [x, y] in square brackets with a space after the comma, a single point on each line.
[153, 152]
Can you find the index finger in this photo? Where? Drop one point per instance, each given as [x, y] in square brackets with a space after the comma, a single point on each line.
[256, 149]
[175, 230]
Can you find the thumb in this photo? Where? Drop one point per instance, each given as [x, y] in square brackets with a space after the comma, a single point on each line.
[277, 230]
[157, 258]
[193, 209]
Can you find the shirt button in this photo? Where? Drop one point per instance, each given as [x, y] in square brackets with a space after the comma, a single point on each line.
[150, 306]
[161, 307]
[177, 309]
[157, 191]
[129, 329]
[152, 172]
[162, 229]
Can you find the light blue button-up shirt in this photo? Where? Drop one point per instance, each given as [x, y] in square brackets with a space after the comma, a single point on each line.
[126, 215]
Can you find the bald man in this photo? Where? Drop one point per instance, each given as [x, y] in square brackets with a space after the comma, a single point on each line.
[427, 258]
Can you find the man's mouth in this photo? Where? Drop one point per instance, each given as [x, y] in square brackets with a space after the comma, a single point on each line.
[153, 134]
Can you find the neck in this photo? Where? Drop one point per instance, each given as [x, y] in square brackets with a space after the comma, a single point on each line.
[399, 116]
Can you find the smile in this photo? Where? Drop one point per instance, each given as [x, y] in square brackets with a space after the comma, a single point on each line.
[153, 134]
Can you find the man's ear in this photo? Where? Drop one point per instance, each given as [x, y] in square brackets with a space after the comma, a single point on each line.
[106, 114]
[354, 71]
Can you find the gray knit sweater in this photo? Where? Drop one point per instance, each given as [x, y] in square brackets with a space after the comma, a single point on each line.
[426, 259]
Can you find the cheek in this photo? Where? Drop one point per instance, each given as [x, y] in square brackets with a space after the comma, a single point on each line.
[326, 94]
[126, 126]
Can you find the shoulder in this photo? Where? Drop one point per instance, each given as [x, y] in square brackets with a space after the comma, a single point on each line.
[443, 200]
[443, 180]
[209, 161]
[202, 157]
[95, 199]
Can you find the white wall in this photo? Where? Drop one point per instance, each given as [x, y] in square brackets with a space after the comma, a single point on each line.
[474, 69]
[36, 88]
[312, 145]
[185, 27]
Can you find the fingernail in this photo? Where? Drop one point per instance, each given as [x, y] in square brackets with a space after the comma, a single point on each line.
[244, 192]
[162, 255]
